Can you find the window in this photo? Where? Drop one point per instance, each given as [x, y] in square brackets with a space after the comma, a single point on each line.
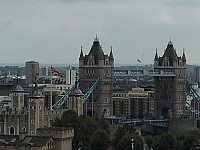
[12, 130]
[24, 129]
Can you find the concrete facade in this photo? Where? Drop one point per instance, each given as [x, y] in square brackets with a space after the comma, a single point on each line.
[32, 72]
[71, 74]
[137, 103]
[197, 74]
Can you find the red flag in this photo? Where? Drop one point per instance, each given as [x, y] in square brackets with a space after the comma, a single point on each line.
[139, 60]
[55, 72]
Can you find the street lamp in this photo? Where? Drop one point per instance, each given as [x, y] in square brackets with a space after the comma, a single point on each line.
[132, 144]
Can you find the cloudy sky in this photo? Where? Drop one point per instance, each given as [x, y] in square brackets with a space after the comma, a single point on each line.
[52, 31]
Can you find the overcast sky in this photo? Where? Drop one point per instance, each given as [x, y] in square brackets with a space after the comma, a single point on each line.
[52, 31]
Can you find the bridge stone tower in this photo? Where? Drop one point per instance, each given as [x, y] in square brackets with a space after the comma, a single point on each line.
[170, 84]
[97, 65]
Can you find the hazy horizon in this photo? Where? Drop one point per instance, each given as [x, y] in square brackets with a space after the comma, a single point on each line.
[52, 31]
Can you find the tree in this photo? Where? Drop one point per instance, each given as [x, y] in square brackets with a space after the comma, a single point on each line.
[68, 119]
[175, 141]
[180, 137]
[100, 140]
[121, 131]
[84, 128]
[157, 143]
[169, 141]
[189, 141]
[87, 127]
[164, 142]
[126, 142]
[148, 140]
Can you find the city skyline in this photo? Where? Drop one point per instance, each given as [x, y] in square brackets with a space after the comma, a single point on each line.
[42, 30]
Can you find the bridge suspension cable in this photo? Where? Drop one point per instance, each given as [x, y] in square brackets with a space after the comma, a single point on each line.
[88, 93]
[64, 98]
[196, 99]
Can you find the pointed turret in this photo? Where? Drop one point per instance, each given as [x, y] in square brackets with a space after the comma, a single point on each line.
[75, 101]
[81, 54]
[111, 55]
[170, 53]
[183, 57]
[96, 40]
[36, 92]
[96, 50]
[156, 56]
[18, 96]
[18, 87]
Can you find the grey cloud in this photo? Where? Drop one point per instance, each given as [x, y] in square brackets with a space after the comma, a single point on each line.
[52, 31]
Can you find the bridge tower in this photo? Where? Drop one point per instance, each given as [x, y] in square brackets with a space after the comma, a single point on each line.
[97, 65]
[170, 85]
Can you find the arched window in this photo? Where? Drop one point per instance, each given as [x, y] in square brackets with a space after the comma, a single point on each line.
[12, 130]
[24, 129]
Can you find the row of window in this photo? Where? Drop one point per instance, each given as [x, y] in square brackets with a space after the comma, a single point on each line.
[12, 130]
[94, 62]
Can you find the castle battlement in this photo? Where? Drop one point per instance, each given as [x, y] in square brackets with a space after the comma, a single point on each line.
[54, 112]
[56, 132]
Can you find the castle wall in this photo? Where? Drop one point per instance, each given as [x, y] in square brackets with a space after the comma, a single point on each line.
[182, 125]
[62, 136]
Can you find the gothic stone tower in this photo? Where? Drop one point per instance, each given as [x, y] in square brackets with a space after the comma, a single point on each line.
[75, 100]
[170, 84]
[36, 111]
[97, 65]
[18, 98]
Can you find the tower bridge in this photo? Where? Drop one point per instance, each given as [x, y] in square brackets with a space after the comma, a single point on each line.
[144, 72]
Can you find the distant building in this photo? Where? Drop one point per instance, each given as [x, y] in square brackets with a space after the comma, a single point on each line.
[32, 72]
[71, 74]
[91, 67]
[58, 91]
[5, 101]
[6, 89]
[170, 85]
[197, 74]
[136, 104]
[43, 71]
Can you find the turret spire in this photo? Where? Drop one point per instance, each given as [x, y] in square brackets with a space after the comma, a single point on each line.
[18, 87]
[36, 91]
[170, 42]
[96, 40]
[183, 57]
[111, 54]
[18, 77]
[156, 56]
[81, 54]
